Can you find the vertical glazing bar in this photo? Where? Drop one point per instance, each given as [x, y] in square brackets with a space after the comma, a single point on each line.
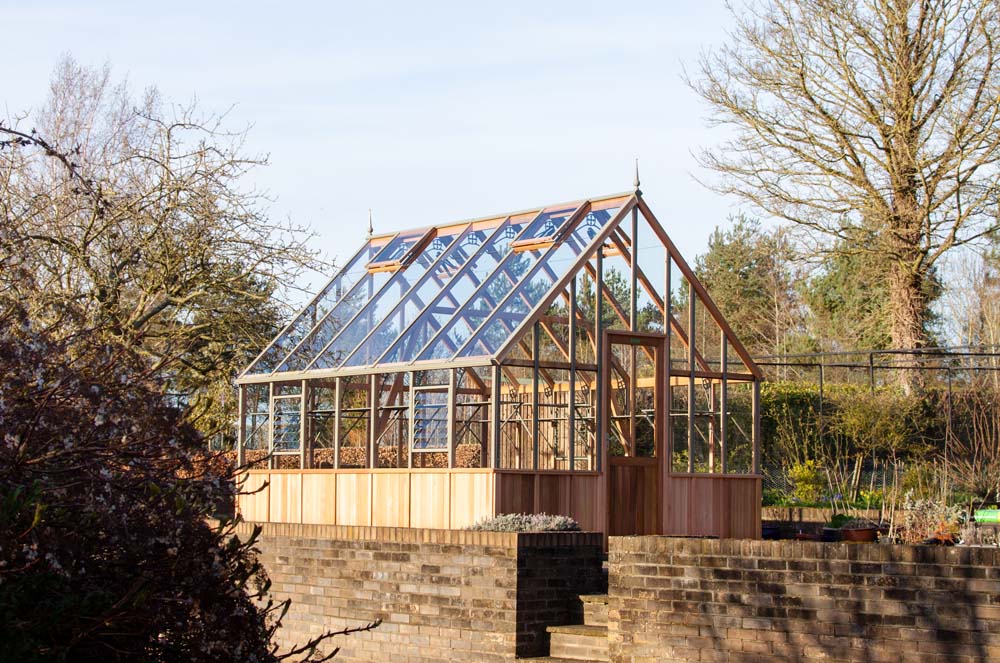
[452, 386]
[571, 397]
[711, 427]
[724, 409]
[241, 425]
[305, 454]
[668, 332]
[633, 293]
[535, 442]
[336, 423]
[600, 436]
[755, 407]
[373, 399]
[631, 396]
[412, 426]
[270, 425]
[691, 368]
[495, 414]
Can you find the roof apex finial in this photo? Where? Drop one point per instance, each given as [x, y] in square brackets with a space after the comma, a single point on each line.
[635, 182]
[371, 227]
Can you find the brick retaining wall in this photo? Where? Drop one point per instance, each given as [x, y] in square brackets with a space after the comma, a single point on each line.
[760, 601]
[443, 595]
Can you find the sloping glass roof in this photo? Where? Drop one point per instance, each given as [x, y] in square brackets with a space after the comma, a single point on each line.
[449, 292]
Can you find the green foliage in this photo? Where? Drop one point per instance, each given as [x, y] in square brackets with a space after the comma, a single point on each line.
[748, 272]
[774, 497]
[872, 499]
[838, 520]
[526, 522]
[848, 299]
[921, 481]
[809, 480]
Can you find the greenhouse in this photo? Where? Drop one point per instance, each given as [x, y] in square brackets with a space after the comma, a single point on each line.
[562, 359]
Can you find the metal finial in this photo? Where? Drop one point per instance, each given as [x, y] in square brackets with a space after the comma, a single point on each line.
[371, 226]
[635, 183]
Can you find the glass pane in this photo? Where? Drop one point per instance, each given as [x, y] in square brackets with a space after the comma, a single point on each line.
[398, 247]
[473, 314]
[472, 417]
[355, 417]
[415, 302]
[430, 419]
[437, 312]
[553, 420]
[585, 438]
[338, 286]
[287, 423]
[257, 420]
[534, 287]
[516, 418]
[547, 225]
[336, 319]
[321, 410]
[393, 430]
[381, 305]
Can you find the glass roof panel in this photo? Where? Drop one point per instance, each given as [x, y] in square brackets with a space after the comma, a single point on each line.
[324, 331]
[535, 286]
[549, 224]
[399, 246]
[327, 298]
[458, 291]
[409, 308]
[379, 308]
[467, 321]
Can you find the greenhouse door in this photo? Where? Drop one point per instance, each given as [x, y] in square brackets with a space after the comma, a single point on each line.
[635, 424]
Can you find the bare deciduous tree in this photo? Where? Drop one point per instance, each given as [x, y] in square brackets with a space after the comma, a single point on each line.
[865, 118]
[130, 217]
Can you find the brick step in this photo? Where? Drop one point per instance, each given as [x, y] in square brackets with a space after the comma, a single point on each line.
[579, 642]
[595, 609]
[556, 659]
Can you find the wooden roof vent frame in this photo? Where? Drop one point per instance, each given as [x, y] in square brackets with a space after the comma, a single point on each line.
[408, 257]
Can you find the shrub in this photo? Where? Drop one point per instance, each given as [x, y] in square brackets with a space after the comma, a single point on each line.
[809, 481]
[924, 520]
[774, 497]
[106, 553]
[839, 520]
[526, 522]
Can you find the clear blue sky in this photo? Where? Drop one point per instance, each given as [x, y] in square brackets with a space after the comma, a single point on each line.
[426, 112]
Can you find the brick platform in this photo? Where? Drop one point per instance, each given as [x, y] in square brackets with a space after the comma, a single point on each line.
[443, 595]
[761, 601]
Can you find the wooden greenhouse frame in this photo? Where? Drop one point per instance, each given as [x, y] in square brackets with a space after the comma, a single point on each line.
[563, 359]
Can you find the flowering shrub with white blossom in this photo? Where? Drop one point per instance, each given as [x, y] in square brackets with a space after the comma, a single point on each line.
[106, 552]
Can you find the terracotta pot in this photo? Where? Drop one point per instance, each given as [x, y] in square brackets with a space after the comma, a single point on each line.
[805, 536]
[861, 535]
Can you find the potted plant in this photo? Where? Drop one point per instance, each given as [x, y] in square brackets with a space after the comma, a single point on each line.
[831, 531]
[859, 530]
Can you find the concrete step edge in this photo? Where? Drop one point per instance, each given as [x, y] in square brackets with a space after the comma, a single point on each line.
[594, 598]
[587, 630]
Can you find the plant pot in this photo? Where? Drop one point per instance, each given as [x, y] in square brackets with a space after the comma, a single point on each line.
[830, 535]
[860, 535]
[805, 536]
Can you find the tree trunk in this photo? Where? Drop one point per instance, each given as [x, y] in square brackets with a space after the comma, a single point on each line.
[908, 309]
